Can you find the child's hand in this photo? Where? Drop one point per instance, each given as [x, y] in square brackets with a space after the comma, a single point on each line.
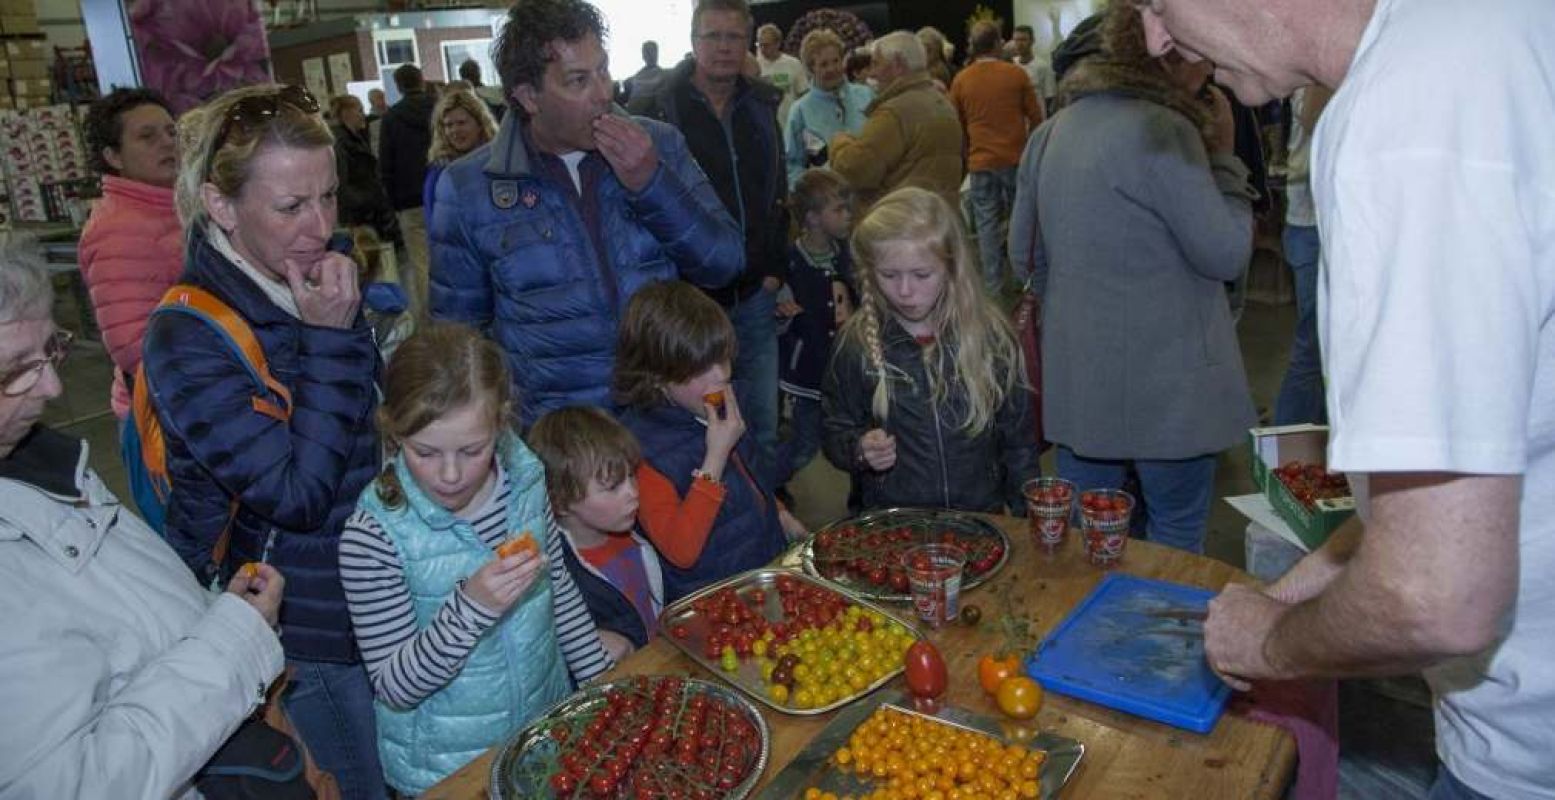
[842, 304]
[792, 527]
[498, 585]
[723, 433]
[788, 309]
[878, 449]
[616, 645]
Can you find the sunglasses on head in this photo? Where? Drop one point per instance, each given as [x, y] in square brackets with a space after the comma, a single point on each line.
[249, 115]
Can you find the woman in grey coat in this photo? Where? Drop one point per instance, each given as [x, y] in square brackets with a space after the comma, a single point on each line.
[1130, 214]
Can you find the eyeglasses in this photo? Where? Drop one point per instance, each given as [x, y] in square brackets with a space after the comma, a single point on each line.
[721, 37]
[21, 380]
[249, 115]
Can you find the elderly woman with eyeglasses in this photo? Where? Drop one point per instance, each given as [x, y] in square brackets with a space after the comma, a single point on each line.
[266, 473]
[120, 675]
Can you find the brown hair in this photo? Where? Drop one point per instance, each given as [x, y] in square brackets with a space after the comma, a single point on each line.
[813, 191]
[1125, 66]
[670, 333]
[440, 368]
[226, 166]
[578, 444]
[817, 40]
[338, 103]
[740, 7]
[464, 100]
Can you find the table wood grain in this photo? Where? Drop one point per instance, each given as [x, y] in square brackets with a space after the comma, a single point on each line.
[1125, 756]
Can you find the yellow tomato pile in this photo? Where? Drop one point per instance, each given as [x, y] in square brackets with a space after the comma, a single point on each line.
[913, 758]
[822, 665]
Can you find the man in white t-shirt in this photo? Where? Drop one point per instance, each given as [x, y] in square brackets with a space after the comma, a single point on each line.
[1433, 175]
[1037, 65]
[780, 69]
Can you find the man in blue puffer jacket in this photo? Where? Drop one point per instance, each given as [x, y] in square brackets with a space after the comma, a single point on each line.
[540, 237]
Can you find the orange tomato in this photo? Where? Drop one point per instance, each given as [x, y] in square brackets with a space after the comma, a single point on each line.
[993, 669]
[249, 570]
[1019, 697]
[523, 543]
[714, 399]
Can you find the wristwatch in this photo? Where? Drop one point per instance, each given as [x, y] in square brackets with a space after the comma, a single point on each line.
[703, 475]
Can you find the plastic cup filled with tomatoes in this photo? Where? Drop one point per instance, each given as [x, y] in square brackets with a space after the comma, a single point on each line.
[934, 574]
[1049, 505]
[1104, 516]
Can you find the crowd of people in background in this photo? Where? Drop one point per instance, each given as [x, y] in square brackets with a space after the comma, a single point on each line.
[363, 348]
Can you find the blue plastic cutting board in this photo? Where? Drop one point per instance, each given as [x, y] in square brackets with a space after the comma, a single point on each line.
[1110, 652]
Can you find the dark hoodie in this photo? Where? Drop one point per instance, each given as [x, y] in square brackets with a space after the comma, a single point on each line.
[404, 139]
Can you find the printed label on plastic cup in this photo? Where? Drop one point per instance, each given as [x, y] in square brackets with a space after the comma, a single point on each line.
[937, 598]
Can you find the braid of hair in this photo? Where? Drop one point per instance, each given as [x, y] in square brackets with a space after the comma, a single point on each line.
[875, 352]
[390, 492]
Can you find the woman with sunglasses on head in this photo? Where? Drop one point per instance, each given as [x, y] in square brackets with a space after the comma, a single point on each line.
[268, 471]
[132, 248]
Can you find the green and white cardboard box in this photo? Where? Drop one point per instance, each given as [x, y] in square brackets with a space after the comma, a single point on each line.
[1282, 445]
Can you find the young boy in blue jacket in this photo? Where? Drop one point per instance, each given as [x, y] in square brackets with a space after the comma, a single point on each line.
[590, 472]
[820, 277]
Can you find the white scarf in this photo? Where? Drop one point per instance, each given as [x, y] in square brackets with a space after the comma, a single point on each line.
[279, 292]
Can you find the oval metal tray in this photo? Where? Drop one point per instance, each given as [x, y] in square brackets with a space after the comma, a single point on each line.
[534, 742]
[748, 678]
[924, 522]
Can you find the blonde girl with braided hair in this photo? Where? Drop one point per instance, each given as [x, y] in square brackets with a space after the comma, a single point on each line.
[925, 398]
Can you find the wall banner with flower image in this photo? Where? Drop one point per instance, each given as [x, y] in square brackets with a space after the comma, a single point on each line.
[193, 50]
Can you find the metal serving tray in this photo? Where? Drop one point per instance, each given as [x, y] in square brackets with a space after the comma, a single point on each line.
[924, 522]
[748, 678]
[518, 772]
[813, 766]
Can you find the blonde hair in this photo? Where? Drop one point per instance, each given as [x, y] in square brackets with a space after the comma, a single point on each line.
[442, 151]
[817, 40]
[987, 361]
[440, 368]
[227, 168]
[578, 444]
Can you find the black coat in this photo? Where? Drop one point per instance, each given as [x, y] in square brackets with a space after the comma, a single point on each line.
[404, 137]
[746, 168]
[937, 464]
[805, 347]
[360, 198]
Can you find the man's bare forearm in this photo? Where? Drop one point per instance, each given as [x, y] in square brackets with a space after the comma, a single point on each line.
[1430, 579]
[1312, 574]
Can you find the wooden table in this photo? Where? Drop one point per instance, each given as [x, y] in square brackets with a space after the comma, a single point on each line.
[1125, 756]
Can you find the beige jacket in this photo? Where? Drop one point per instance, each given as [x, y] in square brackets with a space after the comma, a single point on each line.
[911, 138]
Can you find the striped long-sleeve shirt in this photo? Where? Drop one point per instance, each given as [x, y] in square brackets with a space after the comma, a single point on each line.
[407, 664]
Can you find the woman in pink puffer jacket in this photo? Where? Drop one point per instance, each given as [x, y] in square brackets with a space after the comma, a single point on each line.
[132, 249]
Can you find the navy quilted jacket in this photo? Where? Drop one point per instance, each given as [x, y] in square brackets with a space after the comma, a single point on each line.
[511, 255]
[294, 484]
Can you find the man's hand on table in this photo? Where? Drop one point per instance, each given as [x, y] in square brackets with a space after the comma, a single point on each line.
[1235, 632]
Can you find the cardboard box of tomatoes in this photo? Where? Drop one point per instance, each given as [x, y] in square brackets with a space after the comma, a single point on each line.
[1288, 466]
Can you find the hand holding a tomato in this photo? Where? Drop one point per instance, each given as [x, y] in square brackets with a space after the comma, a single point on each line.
[498, 584]
[1236, 632]
[260, 585]
[723, 433]
[878, 449]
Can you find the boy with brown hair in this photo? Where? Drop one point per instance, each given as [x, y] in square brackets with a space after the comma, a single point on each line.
[590, 472]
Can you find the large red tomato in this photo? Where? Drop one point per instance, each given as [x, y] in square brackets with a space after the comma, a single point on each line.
[926, 674]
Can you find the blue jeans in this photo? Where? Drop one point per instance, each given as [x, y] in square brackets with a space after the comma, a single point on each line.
[1448, 787]
[1301, 393]
[756, 373]
[1177, 493]
[151, 507]
[992, 197]
[331, 706]
[804, 438]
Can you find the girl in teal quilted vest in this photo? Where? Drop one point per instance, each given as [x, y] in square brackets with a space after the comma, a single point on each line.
[463, 608]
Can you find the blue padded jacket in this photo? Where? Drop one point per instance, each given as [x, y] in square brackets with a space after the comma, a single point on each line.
[512, 255]
[293, 483]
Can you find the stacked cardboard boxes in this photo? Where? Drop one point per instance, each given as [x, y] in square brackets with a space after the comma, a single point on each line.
[24, 64]
[42, 149]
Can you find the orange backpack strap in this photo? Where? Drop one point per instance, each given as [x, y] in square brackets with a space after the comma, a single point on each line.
[196, 302]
